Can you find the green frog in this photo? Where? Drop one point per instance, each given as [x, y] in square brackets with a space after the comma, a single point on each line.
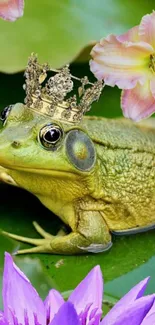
[97, 176]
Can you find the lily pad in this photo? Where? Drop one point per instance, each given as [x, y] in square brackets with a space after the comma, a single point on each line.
[59, 30]
[131, 258]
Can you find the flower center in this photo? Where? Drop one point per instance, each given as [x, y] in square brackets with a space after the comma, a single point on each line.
[152, 63]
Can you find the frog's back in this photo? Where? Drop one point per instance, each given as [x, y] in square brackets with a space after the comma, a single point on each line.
[122, 133]
[127, 176]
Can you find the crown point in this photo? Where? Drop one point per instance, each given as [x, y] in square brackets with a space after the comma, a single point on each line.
[42, 77]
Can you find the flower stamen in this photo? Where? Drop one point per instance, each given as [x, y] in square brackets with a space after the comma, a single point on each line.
[152, 63]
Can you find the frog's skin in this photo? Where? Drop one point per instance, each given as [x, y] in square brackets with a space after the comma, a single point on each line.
[115, 191]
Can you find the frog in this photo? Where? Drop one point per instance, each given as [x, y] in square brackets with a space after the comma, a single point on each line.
[97, 176]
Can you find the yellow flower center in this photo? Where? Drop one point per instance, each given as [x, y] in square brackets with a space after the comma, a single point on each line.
[152, 63]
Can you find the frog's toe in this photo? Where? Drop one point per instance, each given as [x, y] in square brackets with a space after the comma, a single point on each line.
[41, 231]
[41, 245]
[46, 248]
[33, 241]
[47, 235]
[37, 242]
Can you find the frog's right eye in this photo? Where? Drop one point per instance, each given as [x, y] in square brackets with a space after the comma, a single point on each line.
[4, 114]
[50, 135]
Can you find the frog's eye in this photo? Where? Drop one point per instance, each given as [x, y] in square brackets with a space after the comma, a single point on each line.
[4, 114]
[50, 135]
[80, 150]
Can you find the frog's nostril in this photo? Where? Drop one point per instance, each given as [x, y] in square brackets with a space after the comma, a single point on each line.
[15, 144]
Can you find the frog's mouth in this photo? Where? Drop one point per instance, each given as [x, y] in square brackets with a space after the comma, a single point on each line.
[5, 177]
[41, 171]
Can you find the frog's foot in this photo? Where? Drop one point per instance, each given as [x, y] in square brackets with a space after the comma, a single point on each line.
[42, 245]
[91, 235]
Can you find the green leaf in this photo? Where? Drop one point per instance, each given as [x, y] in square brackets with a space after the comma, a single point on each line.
[59, 30]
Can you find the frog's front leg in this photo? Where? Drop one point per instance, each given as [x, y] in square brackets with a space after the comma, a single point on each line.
[91, 235]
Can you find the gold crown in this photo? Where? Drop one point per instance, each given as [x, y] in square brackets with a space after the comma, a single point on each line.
[47, 96]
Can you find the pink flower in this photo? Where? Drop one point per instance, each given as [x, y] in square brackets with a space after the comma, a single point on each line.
[11, 9]
[128, 61]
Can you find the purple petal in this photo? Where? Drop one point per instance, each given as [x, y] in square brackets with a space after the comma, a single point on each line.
[20, 299]
[150, 317]
[66, 315]
[90, 318]
[133, 315]
[88, 292]
[135, 293]
[2, 319]
[52, 303]
[150, 320]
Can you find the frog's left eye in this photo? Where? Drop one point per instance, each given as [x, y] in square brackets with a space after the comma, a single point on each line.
[50, 135]
[80, 150]
[4, 114]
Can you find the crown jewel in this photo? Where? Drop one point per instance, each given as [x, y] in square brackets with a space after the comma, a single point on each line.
[47, 96]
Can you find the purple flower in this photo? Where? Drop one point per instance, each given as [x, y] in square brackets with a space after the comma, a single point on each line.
[23, 306]
[133, 308]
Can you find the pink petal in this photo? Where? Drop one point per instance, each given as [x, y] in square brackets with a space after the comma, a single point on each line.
[121, 64]
[20, 299]
[11, 9]
[88, 292]
[138, 103]
[132, 35]
[66, 315]
[147, 29]
[52, 303]
[133, 315]
[152, 86]
[134, 294]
